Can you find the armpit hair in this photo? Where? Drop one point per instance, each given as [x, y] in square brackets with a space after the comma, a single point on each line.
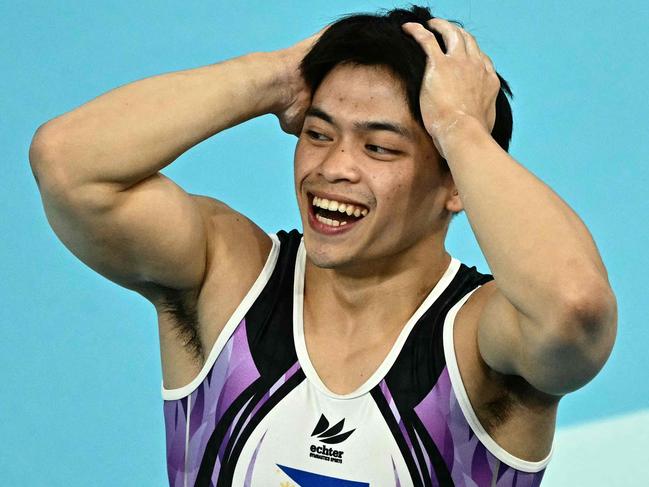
[182, 307]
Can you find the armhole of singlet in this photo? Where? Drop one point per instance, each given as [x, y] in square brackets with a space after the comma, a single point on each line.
[465, 404]
[230, 326]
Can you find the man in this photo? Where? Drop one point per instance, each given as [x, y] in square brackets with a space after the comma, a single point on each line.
[362, 354]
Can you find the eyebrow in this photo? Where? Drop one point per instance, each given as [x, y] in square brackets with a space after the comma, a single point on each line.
[364, 126]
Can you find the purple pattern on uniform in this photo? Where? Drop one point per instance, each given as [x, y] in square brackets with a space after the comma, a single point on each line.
[429, 466]
[232, 372]
[283, 378]
[253, 460]
[517, 478]
[467, 459]
[395, 412]
[175, 426]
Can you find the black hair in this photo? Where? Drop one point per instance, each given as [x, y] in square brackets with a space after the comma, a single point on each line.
[378, 39]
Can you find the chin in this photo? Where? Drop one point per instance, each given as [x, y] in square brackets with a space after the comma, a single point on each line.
[322, 263]
[323, 258]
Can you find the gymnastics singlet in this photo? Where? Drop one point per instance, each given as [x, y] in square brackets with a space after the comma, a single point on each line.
[258, 415]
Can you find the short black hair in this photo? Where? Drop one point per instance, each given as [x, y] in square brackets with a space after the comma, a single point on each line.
[378, 39]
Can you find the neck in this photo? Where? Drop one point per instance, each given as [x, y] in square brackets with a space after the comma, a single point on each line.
[385, 292]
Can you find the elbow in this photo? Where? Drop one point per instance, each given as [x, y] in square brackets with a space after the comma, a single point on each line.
[42, 150]
[578, 345]
[44, 144]
[587, 314]
[47, 163]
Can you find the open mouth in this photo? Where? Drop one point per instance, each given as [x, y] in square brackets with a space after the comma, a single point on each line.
[333, 214]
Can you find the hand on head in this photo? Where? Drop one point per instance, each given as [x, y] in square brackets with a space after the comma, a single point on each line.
[459, 83]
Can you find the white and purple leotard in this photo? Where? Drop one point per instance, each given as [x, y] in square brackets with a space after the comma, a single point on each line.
[258, 415]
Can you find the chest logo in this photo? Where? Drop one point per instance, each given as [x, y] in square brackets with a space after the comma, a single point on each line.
[329, 435]
[332, 435]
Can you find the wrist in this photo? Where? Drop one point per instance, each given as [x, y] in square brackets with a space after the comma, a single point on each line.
[452, 135]
[275, 79]
[263, 80]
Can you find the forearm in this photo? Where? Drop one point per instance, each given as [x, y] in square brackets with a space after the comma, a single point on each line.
[134, 131]
[539, 251]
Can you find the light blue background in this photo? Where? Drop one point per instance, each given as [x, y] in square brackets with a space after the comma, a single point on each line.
[80, 401]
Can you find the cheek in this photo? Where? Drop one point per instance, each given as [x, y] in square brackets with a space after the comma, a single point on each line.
[405, 192]
[304, 159]
[300, 162]
[389, 189]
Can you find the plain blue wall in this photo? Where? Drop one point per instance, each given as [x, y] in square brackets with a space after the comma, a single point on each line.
[80, 402]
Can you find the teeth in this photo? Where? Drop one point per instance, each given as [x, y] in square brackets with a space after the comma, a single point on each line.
[333, 205]
[330, 222]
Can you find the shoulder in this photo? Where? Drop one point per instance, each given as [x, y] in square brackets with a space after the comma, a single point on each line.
[235, 243]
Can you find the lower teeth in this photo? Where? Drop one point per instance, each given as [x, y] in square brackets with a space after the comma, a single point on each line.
[329, 222]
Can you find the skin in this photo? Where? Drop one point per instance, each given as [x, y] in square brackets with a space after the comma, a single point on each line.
[543, 327]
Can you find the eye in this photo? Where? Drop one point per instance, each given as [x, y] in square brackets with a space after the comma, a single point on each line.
[377, 149]
[312, 134]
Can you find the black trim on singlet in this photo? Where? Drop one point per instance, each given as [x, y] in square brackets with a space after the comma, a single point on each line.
[269, 322]
[419, 454]
[214, 443]
[421, 360]
[259, 394]
[391, 421]
[227, 469]
[436, 460]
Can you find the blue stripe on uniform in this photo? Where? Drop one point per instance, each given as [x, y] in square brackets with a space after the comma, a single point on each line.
[308, 479]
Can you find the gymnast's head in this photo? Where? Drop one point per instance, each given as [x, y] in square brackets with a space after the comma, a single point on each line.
[363, 147]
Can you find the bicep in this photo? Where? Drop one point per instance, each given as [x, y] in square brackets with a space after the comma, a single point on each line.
[152, 233]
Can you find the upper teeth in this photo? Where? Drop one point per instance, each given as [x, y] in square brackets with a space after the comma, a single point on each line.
[333, 205]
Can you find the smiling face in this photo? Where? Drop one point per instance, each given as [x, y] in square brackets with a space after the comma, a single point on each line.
[368, 178]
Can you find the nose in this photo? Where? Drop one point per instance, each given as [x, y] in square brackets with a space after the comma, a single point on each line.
[340, 164]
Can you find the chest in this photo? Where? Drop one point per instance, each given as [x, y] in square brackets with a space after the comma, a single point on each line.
[344, 362]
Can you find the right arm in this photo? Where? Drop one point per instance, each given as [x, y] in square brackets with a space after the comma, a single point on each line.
[97, 168]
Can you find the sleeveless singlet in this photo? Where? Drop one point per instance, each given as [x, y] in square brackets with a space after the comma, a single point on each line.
[258, 415]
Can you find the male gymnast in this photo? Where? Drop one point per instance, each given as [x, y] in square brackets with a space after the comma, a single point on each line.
[361, 352]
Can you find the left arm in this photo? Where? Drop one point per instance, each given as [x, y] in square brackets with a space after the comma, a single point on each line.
[552, 315]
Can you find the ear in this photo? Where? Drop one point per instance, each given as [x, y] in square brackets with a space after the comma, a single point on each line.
[453, 202]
